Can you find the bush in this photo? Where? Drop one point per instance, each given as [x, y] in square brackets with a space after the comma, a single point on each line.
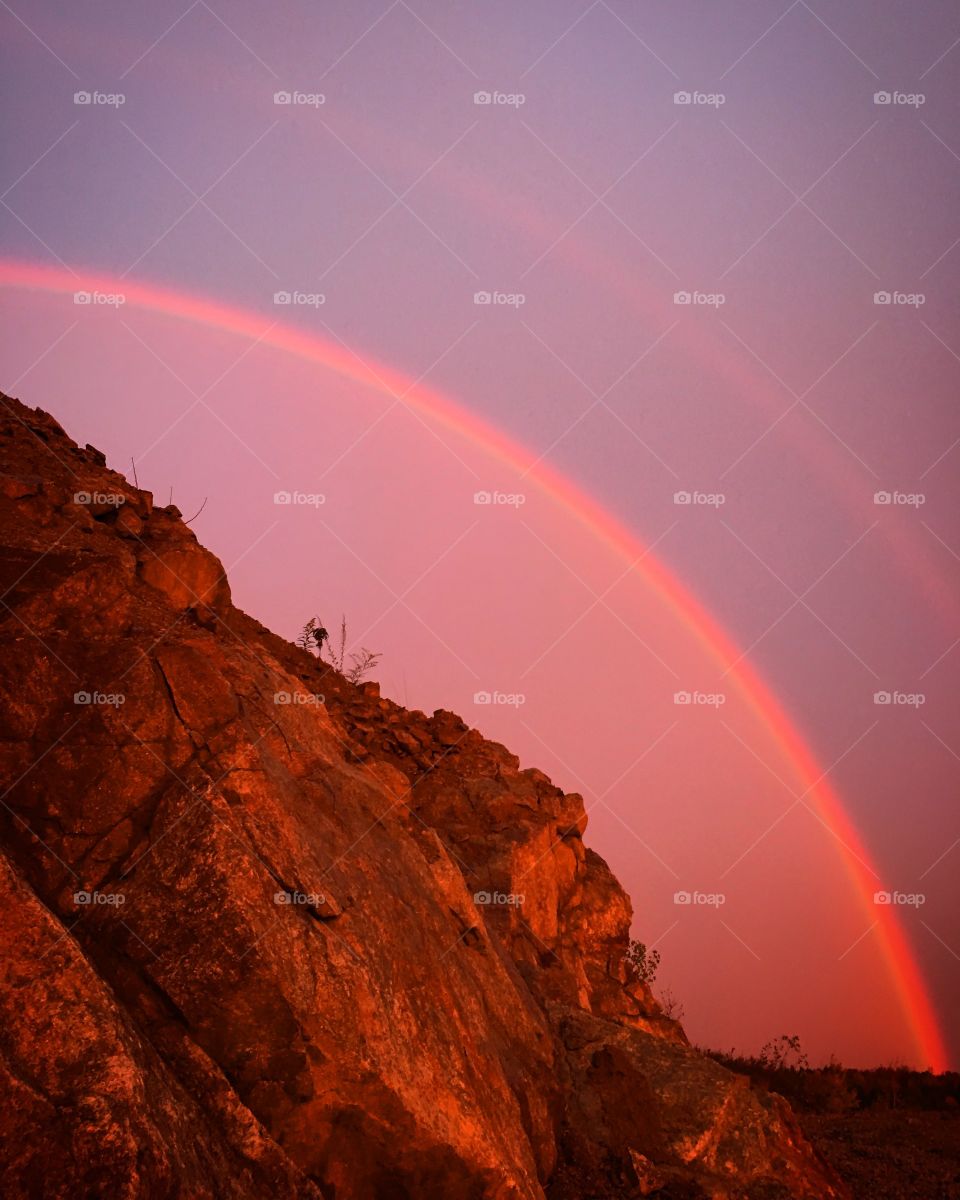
[837, 1089]
[784, 1051]
[671, 1006]
[641, 963]
[315, 639]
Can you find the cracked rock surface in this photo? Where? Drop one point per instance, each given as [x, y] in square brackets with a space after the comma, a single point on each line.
[243, 953]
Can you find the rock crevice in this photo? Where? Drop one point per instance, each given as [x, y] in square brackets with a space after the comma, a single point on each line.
[247, 946]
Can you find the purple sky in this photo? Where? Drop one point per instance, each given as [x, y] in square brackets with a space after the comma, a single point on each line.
[783, 189]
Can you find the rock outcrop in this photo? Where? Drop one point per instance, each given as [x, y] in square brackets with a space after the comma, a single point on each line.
[267, 934]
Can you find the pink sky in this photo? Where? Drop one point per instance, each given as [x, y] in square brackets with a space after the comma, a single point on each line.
[796, 400]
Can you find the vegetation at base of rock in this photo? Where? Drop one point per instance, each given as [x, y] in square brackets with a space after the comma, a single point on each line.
[783, 1051]
[892, 1133]
[837, 1089]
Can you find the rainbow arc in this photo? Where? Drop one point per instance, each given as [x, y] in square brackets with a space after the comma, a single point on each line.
[898, 955]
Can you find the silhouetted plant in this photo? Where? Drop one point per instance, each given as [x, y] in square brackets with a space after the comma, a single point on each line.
[671, 1006]
[315, 639]
[312, 636]
[335, 657]
[641, 963]
[361, 663]
[783, 1052]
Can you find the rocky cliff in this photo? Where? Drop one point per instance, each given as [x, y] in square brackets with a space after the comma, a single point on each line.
[245, 945]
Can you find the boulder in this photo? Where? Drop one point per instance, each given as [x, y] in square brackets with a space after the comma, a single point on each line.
[330, 949]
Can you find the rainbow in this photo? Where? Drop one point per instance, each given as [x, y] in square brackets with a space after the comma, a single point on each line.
[898, 956]
[750, 379]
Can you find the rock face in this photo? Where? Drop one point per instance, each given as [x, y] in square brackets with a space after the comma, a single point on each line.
[246, 948]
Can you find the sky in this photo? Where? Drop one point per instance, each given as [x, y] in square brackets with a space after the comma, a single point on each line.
[608, 356]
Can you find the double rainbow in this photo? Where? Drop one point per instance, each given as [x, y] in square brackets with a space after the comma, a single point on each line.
[898, 956]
